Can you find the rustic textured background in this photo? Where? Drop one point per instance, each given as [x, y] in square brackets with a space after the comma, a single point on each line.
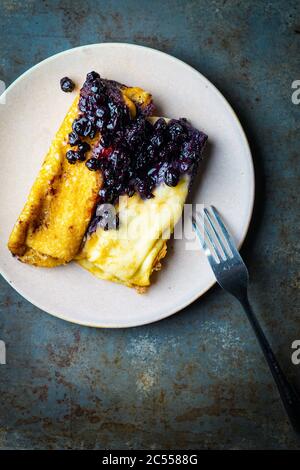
[198, 379]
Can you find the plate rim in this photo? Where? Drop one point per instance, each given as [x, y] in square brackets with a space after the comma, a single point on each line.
[251, 168]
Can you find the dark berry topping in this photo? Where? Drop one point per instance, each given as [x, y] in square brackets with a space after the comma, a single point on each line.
[82, 126]
[67, 85]
[73, 156]
[74, 138]
[132, 154]
[101, 112]
[92, 76]
[105, 140]
[175, 130]
[160, 125]
[171, 176]
[83, 147]
[92, 164]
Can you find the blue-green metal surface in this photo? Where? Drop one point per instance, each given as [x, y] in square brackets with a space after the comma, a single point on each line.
[198, 379]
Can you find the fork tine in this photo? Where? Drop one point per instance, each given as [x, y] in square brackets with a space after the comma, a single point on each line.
[223, 250]
[203, 242]
[227, 235]
[197, 230]
[211, 240]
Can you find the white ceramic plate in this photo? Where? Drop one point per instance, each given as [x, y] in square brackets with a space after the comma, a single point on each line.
[34, 108]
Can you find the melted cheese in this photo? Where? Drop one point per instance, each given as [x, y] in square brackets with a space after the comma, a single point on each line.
[130, 254]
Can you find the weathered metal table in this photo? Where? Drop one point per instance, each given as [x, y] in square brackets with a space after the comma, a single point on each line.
[197, 379]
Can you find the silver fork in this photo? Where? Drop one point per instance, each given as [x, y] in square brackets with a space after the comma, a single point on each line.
[232, 275]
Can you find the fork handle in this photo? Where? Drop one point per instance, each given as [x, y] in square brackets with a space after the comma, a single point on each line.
[289, 395]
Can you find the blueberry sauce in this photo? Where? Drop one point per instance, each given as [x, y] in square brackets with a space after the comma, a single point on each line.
[132, 154]
[67, 85]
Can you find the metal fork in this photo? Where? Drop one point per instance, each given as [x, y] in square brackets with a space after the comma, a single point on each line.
[232, 275]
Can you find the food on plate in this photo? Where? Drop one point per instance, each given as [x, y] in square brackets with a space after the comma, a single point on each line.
[112, 185]
[67, 85]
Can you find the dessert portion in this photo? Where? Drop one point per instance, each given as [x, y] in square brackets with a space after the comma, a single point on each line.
[112, 186]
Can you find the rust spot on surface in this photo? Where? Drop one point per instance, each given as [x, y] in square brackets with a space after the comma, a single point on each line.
[63, 355]
[153, 41]
[119, 427]
[41, 392]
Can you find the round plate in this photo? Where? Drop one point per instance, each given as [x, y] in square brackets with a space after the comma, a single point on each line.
[31, 111]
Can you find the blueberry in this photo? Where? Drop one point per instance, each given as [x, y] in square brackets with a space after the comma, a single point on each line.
[73, 138]
[141, 161]
[106, 195]
[151, 172]
[97, 87]
[161, 171]
[73, 156]
[92, 133]
[109, 179]
[67, 85]
[144, 186]
[93, 101]
[134, 134]
[151, 152]
[184, 122]
[87, 130]
[175, 130]
[79, 125]
[83, 147]
[92, 76]
[114, 158]
[113, 123]
[91, 117]
[184, 166]
[171, 177]
[83, 127]
[82, 105]
[160, 125]
[113, 108]
[157, 140]
[92, 164]
[100, 123]
[172, 150]
[130, 191]
[100, 112]
[105, 140]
